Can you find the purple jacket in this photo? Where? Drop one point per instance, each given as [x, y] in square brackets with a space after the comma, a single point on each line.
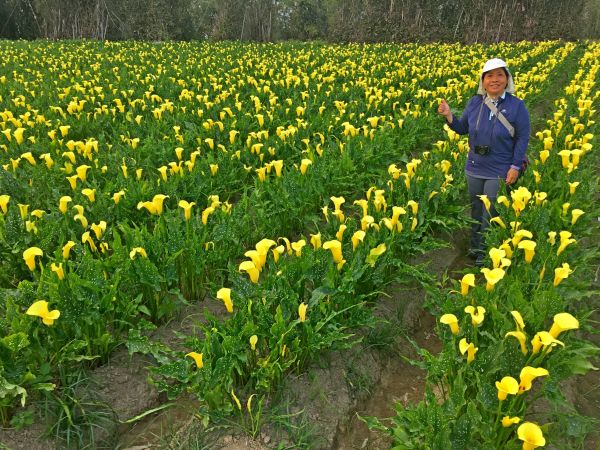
[505, 151]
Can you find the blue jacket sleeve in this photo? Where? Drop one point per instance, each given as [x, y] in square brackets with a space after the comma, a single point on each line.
[522, 130]
[461, 126]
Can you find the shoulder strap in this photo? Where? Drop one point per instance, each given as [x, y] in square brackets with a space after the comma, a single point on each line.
[500, 116]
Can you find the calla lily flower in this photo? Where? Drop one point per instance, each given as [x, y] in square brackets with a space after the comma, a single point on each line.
[544, 339]
[560, 273]
[469, 348]
[304, 165]
[366, 221]
[338, 202]
[137, 251]
[90, 194]
[298, 246]
[451, 321]
[552, 237]
[520, 336]
[58, 269]
[66, 250]
[63, 203]
[508, 385]
[357, 237]
[529, 247]
[187, 208]
[315, 240]
[507, 421]
[302, 311]
[467, 281]
[29, 256]
[253, 340]
[277, 252]
[99, 228]
[40, 309]
[576, 214]
[225, 295]
[4, 199]
[531, 435]
[375, 253]
[340, 233]
[492, 277]
[518, 320]
[486, 202]
[250, 269]
[528, 374]
[197, 357]
[335, 247]
[520, 234]
[563, 322]
[477, 314]
[364, 205]
[496, 255]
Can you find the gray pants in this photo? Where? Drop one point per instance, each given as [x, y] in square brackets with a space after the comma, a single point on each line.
[479, 186]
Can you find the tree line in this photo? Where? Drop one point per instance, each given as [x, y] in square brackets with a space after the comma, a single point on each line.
[328, 20]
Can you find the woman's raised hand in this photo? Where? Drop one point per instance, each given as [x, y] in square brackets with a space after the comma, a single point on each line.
[444, 110]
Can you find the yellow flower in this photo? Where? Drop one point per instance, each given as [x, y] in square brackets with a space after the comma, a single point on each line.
[81, 218]
[497, 254]
[63, 203]
[225, 295]
[576, 214]
[66, 250]
[214, 168]
[520, 234]
[187, 208]
[528, 374]
[117, 196]
[278, 165]
[508, 421]
[4, 199]
[304, 165]
[197, 357]
[565, 241]
[99, 229]
[315, 240]
[520, 336]
[357, 237]
[468, 348]
[560, 273]
[503, 200]
[335, 247]
[508, 385]
[531, 435]
[365, 222]
[58, 269]
[82, 172]
[573, 186]
[486, 202]
[29, 256]
[23, 210]
[414, 206]
[40, 309]
[340, 233]
[364, 205]
[64, 130]
[90, 194]
[565, 155]
[451, 321]
[18, 134]
[338, 202]
[375, 253]
[137, 251]
[529, 247]
[253, 341]
[302, 311]
[297, 246]
[207, 212]
[73, 181]
[543, 339]
[467, 281]
[477, 314]
[563, 322]
[492, 277]
[250, 269]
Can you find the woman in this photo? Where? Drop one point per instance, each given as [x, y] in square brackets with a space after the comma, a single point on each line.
[496, 152]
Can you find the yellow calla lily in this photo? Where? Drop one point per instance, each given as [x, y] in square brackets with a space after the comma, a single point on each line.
[40, 309]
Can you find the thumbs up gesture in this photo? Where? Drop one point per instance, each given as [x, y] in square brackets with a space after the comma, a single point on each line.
[444, 110]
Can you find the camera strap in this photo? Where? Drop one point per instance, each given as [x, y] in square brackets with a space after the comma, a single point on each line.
[503, 120]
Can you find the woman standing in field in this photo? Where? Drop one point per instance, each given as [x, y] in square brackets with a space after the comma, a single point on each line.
[498, 126]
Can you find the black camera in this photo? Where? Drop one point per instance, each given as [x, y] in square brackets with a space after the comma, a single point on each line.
[482, 150]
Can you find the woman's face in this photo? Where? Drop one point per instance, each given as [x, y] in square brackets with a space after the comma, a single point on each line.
[494, 82]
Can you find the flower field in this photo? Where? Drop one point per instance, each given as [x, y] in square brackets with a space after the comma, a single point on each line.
[289, 184]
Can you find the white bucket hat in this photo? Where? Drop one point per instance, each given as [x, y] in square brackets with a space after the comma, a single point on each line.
[496, 63]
